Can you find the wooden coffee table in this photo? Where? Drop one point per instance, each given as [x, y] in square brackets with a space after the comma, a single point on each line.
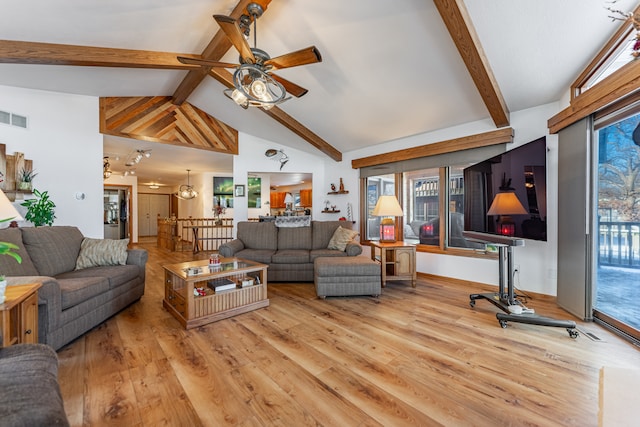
[207, 306]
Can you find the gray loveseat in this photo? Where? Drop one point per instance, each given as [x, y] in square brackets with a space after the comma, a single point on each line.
[70, 301]
[289, 251]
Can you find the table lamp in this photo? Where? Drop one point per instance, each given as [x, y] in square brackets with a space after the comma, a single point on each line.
[7, 211]
[387, 206]
[504, 205]
[288, 202]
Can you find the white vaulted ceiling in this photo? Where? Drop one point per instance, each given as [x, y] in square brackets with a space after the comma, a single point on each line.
[390, 68]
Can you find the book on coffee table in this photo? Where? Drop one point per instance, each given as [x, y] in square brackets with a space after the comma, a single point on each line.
[221, 284]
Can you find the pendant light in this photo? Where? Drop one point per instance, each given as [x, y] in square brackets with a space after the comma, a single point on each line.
[186, 192]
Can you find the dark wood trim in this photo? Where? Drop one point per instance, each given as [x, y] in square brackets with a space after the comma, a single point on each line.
[20, 52]
[619, 84]
[457, 20]
[499, 136]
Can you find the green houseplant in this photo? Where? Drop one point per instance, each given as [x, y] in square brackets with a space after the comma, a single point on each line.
[40, 210]
[25, 179]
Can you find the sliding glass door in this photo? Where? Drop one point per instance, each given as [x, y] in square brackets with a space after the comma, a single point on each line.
[616, 254]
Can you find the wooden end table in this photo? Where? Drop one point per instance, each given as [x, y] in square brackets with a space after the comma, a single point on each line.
[19, 315]
[397, 261]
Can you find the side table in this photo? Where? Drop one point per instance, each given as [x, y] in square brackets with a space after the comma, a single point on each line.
[397, 261]
[19, 315]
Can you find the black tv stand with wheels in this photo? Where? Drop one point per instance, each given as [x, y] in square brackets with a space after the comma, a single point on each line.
[505, 296]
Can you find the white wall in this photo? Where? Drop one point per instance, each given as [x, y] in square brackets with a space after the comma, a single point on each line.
[63, 141]
[251, 158]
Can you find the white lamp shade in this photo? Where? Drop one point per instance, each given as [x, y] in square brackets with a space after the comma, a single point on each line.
[387, 206]
[288, 198]
[506, 204]
[7, 211]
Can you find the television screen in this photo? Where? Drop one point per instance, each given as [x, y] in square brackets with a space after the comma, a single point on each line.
[490, 187]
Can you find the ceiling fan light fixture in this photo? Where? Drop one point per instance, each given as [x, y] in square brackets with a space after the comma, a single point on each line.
[256, 88]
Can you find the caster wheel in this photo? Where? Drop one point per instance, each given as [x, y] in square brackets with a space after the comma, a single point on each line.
[503, 324]
[573, 333]
[472, 303]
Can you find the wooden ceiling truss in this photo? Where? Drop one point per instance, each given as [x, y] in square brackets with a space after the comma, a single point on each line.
[453, 13]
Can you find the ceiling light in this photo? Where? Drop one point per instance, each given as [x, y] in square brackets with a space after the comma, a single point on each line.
[186, 192]
[106, 168]
[154, 186]
[253, 87]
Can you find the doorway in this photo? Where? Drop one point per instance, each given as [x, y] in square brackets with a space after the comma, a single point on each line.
[616, 255]
[117, 212]
[150, 208]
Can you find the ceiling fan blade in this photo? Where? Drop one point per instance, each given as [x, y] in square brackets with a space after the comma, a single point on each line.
[289, 86]
[234, 33]
[309, 55]
[205, 62]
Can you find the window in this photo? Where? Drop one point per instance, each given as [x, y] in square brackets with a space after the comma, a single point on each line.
[375, 186]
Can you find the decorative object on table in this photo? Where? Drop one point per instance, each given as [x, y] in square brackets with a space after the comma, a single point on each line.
[199, 292]
[277, 155]
[40, 209]
[218, 211]
[386, 207]
[341, 186]
[333, 187]
[186, 191]
[25, 179]
[239, 190]
[288, 203]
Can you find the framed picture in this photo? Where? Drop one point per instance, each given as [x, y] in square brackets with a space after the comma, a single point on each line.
[239, 190]
[254, 190]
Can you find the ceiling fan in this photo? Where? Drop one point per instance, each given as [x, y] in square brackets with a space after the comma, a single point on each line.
[254, 83]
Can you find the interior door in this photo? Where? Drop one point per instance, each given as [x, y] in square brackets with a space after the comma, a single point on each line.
[150, 208]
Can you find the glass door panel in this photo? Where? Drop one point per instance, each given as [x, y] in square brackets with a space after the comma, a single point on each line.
[617, 255]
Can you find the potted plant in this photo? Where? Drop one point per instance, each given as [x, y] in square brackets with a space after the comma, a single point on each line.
[25, 179]
[40, 210]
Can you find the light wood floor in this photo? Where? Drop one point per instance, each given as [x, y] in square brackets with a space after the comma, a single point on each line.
[413, 357]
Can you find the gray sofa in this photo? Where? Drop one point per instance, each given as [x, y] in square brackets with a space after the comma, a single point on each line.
[70, 301]
[29, 389]
[289, 251]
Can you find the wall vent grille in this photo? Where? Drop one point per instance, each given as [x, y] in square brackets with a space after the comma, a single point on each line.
[19, 121]
[5, 117]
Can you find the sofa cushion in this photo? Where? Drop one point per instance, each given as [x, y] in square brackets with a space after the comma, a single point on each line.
[323, 231]
[29, 389]
[258, 235]
[291, 256]
[340, 238]
[97, 252]
[258, 255]
[75, 291]
[316, 253]
[294, 238]
[116, 275]
[53, 250]
[9, 266]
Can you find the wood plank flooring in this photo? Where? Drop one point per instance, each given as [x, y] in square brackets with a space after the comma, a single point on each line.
[414, 357]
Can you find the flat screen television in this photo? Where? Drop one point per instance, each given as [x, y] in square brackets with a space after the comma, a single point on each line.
[521, 171]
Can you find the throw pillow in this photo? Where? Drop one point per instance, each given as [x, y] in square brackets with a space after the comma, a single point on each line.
[341, 237]
[97, 252]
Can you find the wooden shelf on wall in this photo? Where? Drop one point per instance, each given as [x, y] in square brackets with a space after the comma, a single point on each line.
[10, 167]
[339, 192]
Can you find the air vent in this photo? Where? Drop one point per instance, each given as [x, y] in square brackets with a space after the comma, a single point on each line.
[20, 121]
[7, 118]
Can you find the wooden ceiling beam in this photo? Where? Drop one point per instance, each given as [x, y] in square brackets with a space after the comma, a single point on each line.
[20, 52]
[215, 50]
[457, 20]
[226, 78]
